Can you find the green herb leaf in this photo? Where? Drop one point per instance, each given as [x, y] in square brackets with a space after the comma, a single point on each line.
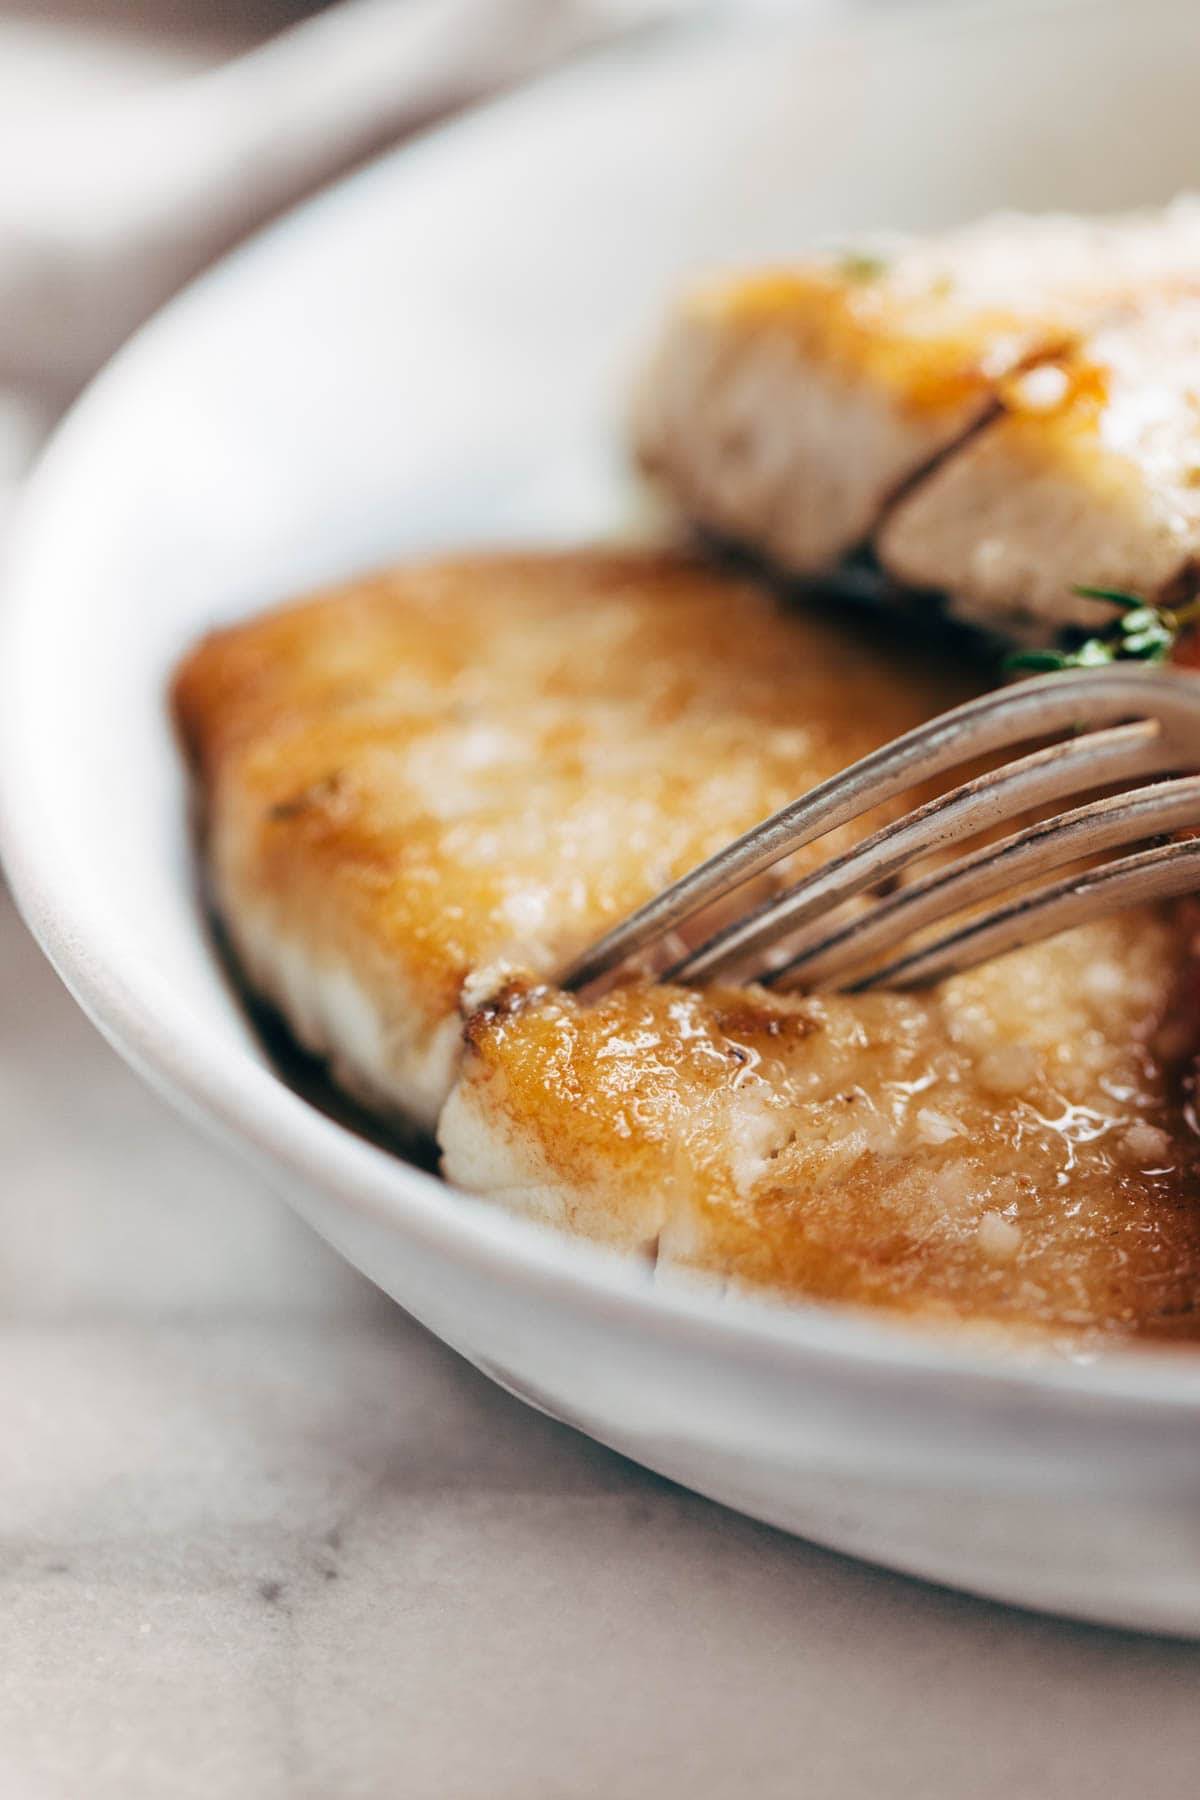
[1118, 596]
[1144, 633]
[1142, 618]
[1150, 649]
[1144, 643]
[862, 265]
[1036, 661]
[1093, 654]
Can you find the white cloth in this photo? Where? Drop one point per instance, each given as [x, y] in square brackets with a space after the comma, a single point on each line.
[123, 171]
[107, 208]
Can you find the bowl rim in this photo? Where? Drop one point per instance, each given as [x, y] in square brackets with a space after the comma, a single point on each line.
[245, 1101]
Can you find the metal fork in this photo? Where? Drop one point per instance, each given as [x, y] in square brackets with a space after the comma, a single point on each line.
[1122, 725]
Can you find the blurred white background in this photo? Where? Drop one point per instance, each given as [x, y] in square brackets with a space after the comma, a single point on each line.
[67, 70]
[138, 142]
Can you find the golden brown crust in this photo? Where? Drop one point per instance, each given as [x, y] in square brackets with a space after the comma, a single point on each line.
[457, 768]
[1014, 1149]
[789, 410]
[425, 789]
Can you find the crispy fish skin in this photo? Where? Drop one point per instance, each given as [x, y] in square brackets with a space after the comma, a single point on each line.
[1010, 1151]
[416, 785]
[1090, 476]
[789, 409]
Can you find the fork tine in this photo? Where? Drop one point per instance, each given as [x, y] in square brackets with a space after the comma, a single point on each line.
[1102, 825]
[1047, 775]
[995, 721]
[1164, 872]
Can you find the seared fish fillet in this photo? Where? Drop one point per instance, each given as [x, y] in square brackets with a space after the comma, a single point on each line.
[1012, 1150]
[789, 410]
[416, 786]
[422, 793]
[1091, 474]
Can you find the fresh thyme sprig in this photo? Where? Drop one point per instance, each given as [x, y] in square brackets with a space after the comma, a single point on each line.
[1144, 632]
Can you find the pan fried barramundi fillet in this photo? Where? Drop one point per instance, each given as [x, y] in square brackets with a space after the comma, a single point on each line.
[789, 410]
[1090, 475]
[416, 786]
[423, 793]
[1012, 1150]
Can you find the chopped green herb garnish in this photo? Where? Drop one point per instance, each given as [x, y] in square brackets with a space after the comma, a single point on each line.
[1144, 633]
[862, 265]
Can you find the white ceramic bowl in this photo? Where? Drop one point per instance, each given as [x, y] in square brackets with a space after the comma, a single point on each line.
[437, 352]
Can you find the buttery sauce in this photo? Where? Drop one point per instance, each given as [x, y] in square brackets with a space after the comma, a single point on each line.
[930, 353]
[1017, 1149]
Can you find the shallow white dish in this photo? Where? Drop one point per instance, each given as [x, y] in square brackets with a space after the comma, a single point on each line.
[436, 353]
